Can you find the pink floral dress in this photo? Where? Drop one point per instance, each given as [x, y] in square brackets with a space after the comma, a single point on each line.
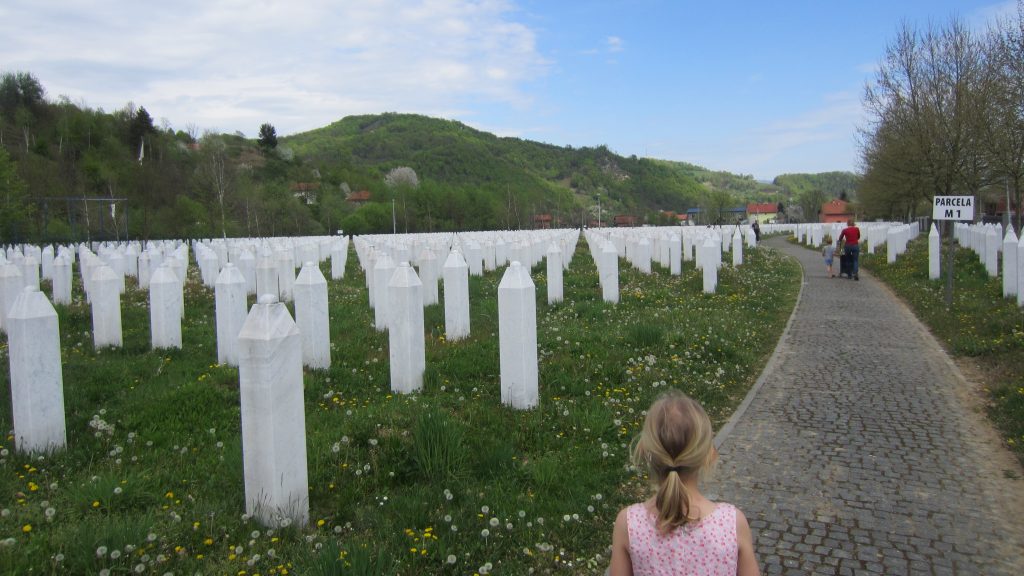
[704, 548]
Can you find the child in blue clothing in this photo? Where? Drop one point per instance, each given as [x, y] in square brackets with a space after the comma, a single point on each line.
[828, 252]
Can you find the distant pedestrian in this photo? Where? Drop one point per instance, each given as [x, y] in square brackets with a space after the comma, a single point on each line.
[757, 231]
[850, 239]
[678, 530]
[828, 251]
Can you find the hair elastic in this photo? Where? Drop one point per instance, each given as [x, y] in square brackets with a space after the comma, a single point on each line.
[676, 469]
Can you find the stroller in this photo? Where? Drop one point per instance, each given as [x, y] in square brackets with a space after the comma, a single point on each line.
[845, 261]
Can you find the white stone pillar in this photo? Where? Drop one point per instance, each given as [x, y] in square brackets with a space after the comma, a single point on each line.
[500, 252]
[992, 245]
[247, 266]
[474, 258]
[517, 336]
[62, 276]
[643, 255]
[106, 308]
[554, 264]
[737, 248]
[710, 266]
[11, 285]
[37, 385]
[231, 309]
[273, 416]
[609, 271]
[30, 271]
[675, 249]
[490, 261]
[145, 270]
[456, 297]
[428, 276]
[285, 274]
[164, 313]
[368, 273]
[208, 264]
[382, 271]
[266, 276]
[934, 257]
[406, 348]
[1010, 263]
[312, 316]
[1020, 270]
[47, 262]
[131, 261]
[891, 245]
[339, 258]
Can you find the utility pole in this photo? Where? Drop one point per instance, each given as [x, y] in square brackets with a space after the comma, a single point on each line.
[598, 209]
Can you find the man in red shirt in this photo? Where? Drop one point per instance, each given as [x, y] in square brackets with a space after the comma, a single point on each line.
[850, 238]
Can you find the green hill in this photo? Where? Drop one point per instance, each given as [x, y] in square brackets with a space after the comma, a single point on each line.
[513, 179]
[71, 173]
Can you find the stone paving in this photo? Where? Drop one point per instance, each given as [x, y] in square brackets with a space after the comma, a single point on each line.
[862, 450]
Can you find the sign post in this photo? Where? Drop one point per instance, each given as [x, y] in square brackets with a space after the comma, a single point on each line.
[953, 209]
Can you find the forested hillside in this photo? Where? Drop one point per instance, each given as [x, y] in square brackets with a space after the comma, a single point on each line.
[69, 173]
[809, 191]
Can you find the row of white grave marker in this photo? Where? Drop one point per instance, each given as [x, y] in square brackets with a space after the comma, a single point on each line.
[988, 241]
[999, 252]
[270, 347]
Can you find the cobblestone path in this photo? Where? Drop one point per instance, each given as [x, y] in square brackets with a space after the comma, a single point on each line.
[862, 451]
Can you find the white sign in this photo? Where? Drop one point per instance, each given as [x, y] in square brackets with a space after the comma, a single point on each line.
[953, 208]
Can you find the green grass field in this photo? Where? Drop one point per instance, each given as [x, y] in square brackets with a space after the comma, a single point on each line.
[981, 325]
[445, 481]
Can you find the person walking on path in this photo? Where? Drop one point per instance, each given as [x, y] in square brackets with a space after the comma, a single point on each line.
[870, 455]
[850, 240]
[678, 531]
[828, 251]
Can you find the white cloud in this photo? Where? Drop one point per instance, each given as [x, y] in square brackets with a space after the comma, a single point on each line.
[299, 64]
[808, 142]
[987, 15]
[614, 44]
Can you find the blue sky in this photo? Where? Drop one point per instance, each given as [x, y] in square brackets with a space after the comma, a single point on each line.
[760, 88]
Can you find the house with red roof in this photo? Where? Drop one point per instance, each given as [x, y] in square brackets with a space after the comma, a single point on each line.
[306, 191]
[762, 213]
[358, 198]
[542, 221]
[836, 211]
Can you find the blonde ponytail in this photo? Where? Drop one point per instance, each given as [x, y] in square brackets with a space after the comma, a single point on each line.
[676, 444]
[673, 503]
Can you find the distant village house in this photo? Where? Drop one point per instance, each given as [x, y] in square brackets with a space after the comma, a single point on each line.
[762, 213]
[836, 211]
[542, 221]
[306, 191]
[358, 198]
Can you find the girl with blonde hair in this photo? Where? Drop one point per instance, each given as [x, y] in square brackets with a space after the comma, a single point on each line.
[678, 531]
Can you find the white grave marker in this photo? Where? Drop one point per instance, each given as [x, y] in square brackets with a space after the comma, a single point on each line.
[273, 416]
